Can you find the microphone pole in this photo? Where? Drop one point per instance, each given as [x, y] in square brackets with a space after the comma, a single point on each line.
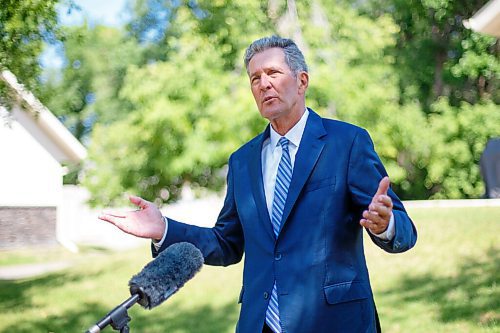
[118, 318]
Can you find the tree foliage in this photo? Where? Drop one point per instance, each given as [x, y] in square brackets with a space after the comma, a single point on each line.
[437, 56]
[460, 135]
[191, 114]
[167, 99]
[87, 91]
[24, 25]
[451, 75]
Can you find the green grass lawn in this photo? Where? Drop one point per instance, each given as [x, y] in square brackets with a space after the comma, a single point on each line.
[448, 283]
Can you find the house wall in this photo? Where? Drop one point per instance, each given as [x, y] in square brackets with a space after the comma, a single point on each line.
[29, 175]
[30, 189]
[27, 226]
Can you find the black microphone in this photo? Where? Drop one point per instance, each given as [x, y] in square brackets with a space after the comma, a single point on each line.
[158, 280]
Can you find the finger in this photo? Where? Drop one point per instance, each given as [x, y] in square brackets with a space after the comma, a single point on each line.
[371, 216]
[373, 227]
[383, 186]
[384, 200]
[109, 218]
[380, 210]
[113, 212]
[138, 201]
[120, 223]
[366, 223]
[379, 220]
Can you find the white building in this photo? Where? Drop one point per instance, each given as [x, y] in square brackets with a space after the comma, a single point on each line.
[486, 20]
[33, 146]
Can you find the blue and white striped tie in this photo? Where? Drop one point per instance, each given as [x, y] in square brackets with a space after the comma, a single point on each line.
[283, 179]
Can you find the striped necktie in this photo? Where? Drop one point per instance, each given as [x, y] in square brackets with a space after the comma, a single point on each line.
[283, 179]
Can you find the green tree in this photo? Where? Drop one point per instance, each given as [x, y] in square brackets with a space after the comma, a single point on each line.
[229, 24]
[87, 91]
[189, 113]
[437, 56]
[24, 26]
[353, 79]
[193, 109]
[451, 75]
[408, 72]
[462, 133]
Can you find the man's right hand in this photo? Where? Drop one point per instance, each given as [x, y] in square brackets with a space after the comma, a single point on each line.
[146, 222]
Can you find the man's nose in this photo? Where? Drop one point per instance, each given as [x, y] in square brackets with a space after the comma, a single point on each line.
[265, 83]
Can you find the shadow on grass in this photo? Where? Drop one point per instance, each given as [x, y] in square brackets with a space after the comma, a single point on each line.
[471, 295]
[203, 319]
[15, 293]
[73, 320]
[169, 317]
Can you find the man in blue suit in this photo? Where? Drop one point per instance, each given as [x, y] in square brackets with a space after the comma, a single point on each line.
[298, 198]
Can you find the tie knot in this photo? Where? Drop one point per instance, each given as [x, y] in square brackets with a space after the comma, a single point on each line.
[284, 143]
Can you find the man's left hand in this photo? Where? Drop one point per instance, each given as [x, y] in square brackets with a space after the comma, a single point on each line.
[376, 218]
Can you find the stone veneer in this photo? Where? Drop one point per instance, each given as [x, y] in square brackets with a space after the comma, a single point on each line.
[27, 227]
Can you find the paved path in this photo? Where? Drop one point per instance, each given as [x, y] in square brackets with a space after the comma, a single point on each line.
[31, 270]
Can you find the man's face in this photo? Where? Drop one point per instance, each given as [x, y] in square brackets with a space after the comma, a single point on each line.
[277, 92]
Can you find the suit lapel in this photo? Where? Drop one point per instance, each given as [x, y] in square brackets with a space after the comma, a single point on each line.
[309, 151]
[257, 183]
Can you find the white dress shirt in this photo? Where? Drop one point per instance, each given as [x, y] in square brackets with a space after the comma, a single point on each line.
[271, 156]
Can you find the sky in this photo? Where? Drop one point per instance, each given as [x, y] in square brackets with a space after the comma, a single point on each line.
[105, 12]
[108, 12]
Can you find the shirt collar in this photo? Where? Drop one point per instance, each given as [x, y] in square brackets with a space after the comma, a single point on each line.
[294, 135]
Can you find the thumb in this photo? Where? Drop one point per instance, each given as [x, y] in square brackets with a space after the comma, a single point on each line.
[383, 186]
[138, 201]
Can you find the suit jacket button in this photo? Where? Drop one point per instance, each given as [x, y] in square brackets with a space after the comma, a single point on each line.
[277, 256]
[266, 295]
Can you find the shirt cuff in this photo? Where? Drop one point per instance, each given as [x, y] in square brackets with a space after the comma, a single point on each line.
[388, 234]
[158, 244]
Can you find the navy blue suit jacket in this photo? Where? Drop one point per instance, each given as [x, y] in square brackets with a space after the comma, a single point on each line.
[317, 260]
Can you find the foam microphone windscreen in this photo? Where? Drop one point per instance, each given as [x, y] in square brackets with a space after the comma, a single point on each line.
[166, 274]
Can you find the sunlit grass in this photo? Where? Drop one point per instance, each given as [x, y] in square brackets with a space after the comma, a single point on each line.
[447, 283]
[450, 282]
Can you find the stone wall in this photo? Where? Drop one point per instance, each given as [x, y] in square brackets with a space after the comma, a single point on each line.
[27, 227]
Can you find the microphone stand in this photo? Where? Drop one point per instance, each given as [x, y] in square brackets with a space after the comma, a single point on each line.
[118, 318]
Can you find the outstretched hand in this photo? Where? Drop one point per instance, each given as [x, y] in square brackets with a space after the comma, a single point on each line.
[145, 222]
[379, 212]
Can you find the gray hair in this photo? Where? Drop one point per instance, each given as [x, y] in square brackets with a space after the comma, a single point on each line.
[293, 56]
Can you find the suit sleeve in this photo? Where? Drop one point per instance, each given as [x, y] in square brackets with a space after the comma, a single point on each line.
[365, 172]
[221, 245]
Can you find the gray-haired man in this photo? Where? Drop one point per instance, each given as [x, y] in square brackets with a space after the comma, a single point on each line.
[298, 198]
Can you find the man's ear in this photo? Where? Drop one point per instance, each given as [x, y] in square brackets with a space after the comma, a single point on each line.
[303, 81]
